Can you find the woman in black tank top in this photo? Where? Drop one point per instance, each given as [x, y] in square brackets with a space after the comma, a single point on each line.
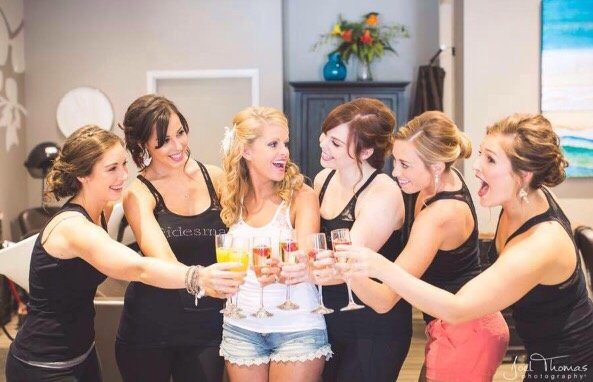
[442, 248]
[174, 212]
[353, 193]
[537, 271]
[73, 255]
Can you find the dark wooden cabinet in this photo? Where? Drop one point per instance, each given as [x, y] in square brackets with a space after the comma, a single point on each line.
[310, 102]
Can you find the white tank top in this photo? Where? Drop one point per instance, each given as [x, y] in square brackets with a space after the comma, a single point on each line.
[303, 294]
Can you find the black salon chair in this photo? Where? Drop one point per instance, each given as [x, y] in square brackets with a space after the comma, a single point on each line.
[583, 237]
[32, 220]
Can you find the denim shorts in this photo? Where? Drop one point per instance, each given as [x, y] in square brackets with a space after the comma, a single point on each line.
[245, 347]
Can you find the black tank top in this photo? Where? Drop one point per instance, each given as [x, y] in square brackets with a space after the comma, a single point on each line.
[155, 317]
[449, 270]
[362, 323]
[555, 320]
[59, 325]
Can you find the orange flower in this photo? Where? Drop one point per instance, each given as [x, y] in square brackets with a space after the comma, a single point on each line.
[347, 35]
[371, 18]
[366, 37]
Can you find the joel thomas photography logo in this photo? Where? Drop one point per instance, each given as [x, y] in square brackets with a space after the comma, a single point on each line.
[540, 368]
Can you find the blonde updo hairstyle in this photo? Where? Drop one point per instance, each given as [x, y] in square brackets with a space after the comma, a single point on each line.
[247, 127]
[532, 146]
[79, 153]
[436, 138]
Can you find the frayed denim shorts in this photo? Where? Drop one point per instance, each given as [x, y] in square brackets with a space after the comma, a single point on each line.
[245, 347]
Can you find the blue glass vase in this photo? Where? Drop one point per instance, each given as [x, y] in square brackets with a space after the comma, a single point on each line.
[334, 69]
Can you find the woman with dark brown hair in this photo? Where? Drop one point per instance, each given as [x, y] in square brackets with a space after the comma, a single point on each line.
[72, 256]
[354, 193]
[174, 212]
[537, 270]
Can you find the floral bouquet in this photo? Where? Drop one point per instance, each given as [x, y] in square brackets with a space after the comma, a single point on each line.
[365, 39]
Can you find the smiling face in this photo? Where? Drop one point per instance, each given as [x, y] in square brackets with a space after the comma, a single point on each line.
[173, 153]
[108, 175]
[498, 183]
[409, 169]
[268, 154]
[336, 153]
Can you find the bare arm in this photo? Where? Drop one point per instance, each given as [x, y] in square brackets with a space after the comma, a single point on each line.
[139, 206]
[305, 211]
[77, 237]
[520, 267]
[305, 215]
[414, 258]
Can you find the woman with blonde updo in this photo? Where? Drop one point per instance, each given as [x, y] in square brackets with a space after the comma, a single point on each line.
[441, 230]
[74, 254]
[263, 194]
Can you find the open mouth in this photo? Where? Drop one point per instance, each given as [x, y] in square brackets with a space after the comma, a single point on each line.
[402, 182]
[326, 157]
[177, 157]
[281, 165]
[484, 187]
[117, 188]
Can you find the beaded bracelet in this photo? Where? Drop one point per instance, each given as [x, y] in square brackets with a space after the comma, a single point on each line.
[192, 278]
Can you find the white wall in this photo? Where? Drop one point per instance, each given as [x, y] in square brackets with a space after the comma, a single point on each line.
[13, 176]
[501, 76]
[306, 20]
[110, 44]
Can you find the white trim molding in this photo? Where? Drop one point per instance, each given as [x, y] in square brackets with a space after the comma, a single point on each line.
[153, 76]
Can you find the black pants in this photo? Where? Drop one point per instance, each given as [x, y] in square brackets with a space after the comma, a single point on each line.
[88, 371]
[366, 360]
[183, 363]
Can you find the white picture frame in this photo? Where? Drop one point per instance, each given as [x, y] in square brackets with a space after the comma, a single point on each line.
[153, 76]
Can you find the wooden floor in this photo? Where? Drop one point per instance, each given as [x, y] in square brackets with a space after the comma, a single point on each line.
[409, 372]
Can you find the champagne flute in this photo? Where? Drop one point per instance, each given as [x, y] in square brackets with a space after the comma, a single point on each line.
[261, 251]
[288, 247]
[223, 247]
[341, 236]
[316, 245]
[239, 253]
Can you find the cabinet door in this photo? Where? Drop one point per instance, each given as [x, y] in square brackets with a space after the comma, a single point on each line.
[391, 100]
[314, 109]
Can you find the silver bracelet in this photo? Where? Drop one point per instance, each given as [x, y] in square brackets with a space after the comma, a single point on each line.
[195, 287]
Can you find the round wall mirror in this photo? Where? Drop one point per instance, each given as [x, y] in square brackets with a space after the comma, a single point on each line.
[84, 106]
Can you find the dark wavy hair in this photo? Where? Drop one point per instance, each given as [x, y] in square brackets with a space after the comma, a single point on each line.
[145, 113]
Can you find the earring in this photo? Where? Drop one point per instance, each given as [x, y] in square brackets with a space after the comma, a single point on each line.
[523, 196]
[146, 159]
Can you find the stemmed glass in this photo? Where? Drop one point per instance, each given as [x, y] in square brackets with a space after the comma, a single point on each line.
[341, 236]
[317, 245]
[232, 249]
[223, 247]
[261, 251]
[288, 247]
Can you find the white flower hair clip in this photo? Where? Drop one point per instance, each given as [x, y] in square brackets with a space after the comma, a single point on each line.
[227, 140]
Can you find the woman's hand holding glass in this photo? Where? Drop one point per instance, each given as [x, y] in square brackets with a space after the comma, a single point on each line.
[342, 237]
[288, 249]
[233, 254]
[316, 251]
[357, 262]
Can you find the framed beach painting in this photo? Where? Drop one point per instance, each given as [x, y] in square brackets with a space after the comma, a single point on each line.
[567, 78]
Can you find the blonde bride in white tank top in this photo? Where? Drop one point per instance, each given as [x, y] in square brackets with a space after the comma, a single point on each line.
[264, 194]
